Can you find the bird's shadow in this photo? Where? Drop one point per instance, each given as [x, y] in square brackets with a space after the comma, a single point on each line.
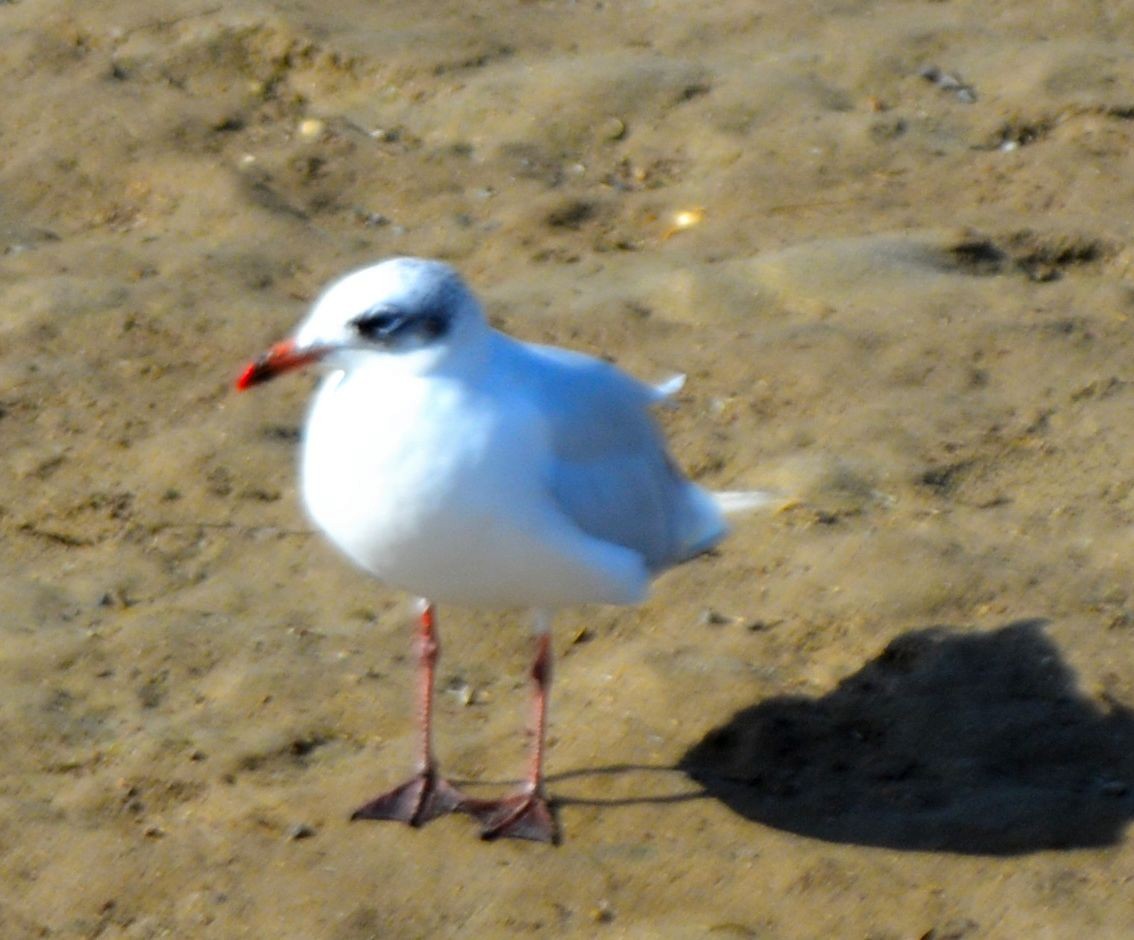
[948, 740]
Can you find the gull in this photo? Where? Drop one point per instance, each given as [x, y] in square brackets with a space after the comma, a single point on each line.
[465, 467]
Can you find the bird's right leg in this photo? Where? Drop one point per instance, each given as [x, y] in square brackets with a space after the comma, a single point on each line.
[426, 795]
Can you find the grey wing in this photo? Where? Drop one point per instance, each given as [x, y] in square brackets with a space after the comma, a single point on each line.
[611, 474]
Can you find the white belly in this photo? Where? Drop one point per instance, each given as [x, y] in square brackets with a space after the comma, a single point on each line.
[433, 490]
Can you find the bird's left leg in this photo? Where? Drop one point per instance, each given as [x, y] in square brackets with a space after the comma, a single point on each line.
[527, 813]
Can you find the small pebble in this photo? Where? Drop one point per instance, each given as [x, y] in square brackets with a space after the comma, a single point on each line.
[311, 128]
[300, 831]
[683, 219]
[687, 218]
[374, 219]
[612, 129]
[603, 913]
[462, 691]
[947, 81]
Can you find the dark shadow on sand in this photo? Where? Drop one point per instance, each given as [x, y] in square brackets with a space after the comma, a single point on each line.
[952, 741]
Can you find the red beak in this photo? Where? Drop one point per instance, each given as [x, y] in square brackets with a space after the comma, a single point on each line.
[283, 357]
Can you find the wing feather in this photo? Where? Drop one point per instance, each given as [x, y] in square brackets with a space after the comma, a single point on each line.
[610, 471]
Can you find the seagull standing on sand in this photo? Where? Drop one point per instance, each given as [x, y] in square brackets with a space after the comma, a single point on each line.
[454, 462]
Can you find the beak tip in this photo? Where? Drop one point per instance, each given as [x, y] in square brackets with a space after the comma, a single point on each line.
[280, 358]
[248, 378]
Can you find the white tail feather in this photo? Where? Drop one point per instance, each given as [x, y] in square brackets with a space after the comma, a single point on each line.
[734, 501]
[667, 389]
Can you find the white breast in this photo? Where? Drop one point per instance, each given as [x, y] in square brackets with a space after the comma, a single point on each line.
[437, 487]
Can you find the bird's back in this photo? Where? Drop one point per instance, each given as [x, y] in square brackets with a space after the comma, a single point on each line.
[611, 473]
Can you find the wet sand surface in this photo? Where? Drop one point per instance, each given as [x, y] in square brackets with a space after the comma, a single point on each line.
[889, 243]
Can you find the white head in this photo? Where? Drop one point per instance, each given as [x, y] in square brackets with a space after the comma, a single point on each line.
[412, 312]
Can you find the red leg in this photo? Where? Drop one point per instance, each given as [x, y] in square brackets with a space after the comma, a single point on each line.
[426, 795]
[526, 814]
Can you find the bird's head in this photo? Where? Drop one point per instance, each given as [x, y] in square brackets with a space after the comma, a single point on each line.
[411, 311]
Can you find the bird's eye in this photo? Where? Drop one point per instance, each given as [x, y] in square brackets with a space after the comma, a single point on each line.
[377, 324]
[388, 327]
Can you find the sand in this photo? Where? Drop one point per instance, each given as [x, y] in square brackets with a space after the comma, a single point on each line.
[890, 245]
